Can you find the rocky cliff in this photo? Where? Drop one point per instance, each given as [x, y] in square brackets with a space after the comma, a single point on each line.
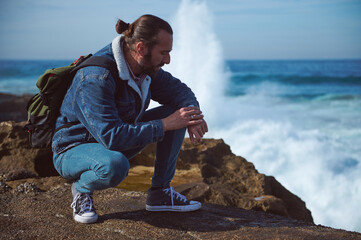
[35, 205]
[220, 176]
[238, 201]
[13, 107]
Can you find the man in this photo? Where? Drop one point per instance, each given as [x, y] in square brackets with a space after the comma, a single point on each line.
[109, 124]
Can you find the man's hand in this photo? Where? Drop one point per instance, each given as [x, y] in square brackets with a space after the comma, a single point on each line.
[184, 117]
[197, 131]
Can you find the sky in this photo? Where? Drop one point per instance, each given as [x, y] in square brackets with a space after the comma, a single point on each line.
[246, 29]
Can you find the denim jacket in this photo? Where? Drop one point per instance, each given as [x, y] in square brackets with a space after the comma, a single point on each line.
[108, 112]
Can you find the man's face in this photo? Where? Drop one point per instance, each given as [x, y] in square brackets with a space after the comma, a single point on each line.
[159, 55]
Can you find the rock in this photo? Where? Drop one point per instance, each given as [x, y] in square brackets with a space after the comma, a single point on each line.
[4, 187]
[228, 185]
[16, 155]
[233, 181]
[271, 204]
[226, 179]
[13, 107]
[27, 188]
[42, 184]
[17, 174]
[122, 215]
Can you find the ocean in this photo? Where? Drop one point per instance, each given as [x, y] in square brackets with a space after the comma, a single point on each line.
[297, 120]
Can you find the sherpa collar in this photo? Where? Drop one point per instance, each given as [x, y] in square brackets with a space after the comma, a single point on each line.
[124, 73]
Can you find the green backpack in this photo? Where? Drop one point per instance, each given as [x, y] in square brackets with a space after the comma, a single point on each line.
[43, 108]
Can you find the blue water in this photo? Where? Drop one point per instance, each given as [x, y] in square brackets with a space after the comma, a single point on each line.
[299, 121]
[302, 80]
[20, 76]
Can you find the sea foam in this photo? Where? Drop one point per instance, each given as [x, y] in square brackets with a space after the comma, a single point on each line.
[309, 147]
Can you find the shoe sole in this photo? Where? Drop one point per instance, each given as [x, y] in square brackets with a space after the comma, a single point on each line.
[165, 208]
[81, 219]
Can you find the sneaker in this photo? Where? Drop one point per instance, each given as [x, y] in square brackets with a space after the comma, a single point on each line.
[167, 199]
[83, 209]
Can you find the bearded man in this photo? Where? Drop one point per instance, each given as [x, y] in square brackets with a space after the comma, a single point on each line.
[107, 121]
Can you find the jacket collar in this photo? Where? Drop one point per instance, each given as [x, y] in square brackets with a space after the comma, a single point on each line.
[124, 73]
[123, 69]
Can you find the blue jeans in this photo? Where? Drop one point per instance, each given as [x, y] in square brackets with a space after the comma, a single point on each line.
[93, 167]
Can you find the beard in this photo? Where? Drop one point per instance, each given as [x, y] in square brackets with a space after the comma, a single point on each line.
[148, 67]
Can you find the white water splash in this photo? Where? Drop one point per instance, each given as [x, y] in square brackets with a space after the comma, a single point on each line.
[197, 56]
[318, 162]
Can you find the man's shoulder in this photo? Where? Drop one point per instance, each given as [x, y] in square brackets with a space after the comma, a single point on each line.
[94, 71]
[162, 77]
[100, 64]
[106, 52]
[160, 74]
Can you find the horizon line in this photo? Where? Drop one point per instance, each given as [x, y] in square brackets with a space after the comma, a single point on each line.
[226, 59]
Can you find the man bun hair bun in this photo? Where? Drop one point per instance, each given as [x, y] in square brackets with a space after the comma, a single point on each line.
[144, 29]
[121, 26]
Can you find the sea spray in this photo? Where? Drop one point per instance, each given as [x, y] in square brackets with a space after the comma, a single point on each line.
[197, 56]
[309, 152]
[309, 142]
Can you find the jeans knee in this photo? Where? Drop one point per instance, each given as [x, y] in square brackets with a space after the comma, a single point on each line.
[114, 170]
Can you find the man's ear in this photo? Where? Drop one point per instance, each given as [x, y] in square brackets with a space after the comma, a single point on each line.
[141, 48]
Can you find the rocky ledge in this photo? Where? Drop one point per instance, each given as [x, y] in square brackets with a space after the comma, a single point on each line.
[238, 201]
[13, 107]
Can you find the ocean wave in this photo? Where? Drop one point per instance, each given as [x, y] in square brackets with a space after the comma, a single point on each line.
[10, 69]
[11, 73]
[302, 96]
[296, 79]
[339, 97]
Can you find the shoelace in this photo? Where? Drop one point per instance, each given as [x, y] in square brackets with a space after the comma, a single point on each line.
[173, 193]
[86, 202]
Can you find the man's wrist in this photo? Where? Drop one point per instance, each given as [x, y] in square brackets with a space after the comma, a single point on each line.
[192, 105]
[164, 125]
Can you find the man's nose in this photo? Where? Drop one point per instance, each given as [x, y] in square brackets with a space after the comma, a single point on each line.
[166, 59]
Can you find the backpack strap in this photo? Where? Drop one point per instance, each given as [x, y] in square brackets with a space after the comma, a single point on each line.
[100, 62]
[104, 62]
[97, 61]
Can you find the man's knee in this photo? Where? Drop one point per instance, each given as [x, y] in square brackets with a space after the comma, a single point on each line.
[113, 169]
